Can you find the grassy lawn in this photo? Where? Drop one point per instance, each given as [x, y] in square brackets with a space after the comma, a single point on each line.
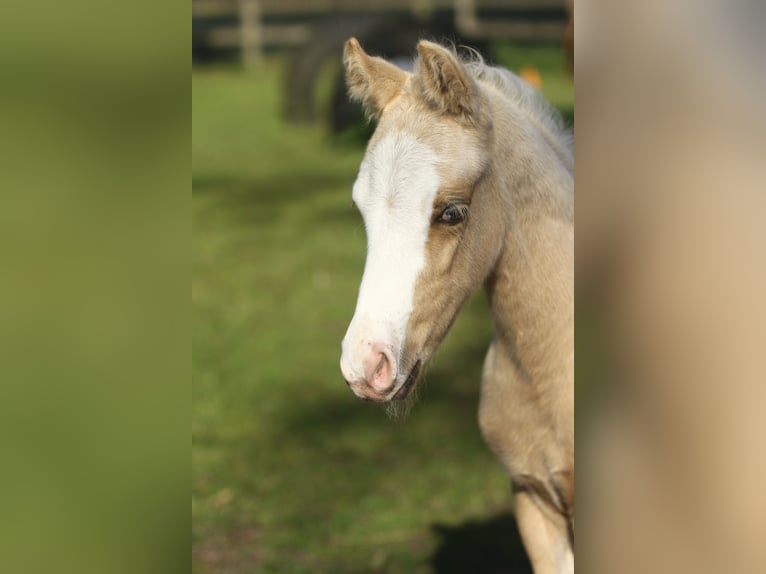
[291, 473]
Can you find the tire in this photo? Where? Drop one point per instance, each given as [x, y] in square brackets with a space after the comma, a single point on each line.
[389, 37]
[392, 40]
[306, 63]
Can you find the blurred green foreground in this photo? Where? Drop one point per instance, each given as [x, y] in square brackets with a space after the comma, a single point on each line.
[290, 472]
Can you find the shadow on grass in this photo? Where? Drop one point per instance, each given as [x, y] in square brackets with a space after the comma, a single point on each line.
[490, 546]
[315, 433]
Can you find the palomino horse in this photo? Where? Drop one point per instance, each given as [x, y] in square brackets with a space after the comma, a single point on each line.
[468, 180]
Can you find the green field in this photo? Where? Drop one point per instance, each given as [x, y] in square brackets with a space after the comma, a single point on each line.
[290, 472]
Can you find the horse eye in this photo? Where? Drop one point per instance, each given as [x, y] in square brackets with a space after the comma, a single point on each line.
[452, 214]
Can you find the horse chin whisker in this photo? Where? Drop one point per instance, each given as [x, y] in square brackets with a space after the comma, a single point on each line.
[400, 406]
[407, 385]
[399, 410]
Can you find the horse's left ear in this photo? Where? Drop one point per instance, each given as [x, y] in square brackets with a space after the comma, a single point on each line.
[443, 81]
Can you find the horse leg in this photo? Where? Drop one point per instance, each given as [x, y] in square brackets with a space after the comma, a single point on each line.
[544, 497]
[545, 536]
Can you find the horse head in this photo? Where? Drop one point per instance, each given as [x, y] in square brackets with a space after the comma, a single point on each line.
[434, 227]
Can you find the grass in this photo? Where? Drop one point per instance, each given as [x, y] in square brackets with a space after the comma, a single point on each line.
[291, 473]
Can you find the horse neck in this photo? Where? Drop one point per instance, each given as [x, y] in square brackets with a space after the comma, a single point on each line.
[531, 286]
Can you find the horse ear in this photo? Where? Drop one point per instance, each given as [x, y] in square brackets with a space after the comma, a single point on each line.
[371, 81]
[443, 81]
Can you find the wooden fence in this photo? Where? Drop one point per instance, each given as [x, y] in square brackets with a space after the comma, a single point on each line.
[251, 26]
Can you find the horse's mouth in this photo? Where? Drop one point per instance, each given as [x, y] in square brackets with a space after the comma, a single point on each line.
[406, 387]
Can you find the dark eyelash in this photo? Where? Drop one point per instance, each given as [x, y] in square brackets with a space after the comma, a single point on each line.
[457, 214]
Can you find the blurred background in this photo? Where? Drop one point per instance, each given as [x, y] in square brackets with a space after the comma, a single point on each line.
[290, 472]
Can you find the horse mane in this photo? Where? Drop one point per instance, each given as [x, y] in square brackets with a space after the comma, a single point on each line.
[525, 97]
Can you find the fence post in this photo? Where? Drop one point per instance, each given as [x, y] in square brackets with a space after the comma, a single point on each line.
[250, 32]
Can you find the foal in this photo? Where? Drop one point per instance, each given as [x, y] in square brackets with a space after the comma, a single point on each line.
[468, 180]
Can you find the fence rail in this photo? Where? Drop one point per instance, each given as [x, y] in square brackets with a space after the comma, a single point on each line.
[251, 26]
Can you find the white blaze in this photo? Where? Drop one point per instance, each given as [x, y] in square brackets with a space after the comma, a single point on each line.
[394, 192]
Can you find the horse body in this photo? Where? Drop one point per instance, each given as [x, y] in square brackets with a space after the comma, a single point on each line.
[468, 180]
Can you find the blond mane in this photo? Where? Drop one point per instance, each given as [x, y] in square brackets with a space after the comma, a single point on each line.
[526, 98]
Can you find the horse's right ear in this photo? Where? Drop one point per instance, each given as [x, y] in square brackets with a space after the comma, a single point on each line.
[371, 81]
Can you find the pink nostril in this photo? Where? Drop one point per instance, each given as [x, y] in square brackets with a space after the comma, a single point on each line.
[378, 371]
